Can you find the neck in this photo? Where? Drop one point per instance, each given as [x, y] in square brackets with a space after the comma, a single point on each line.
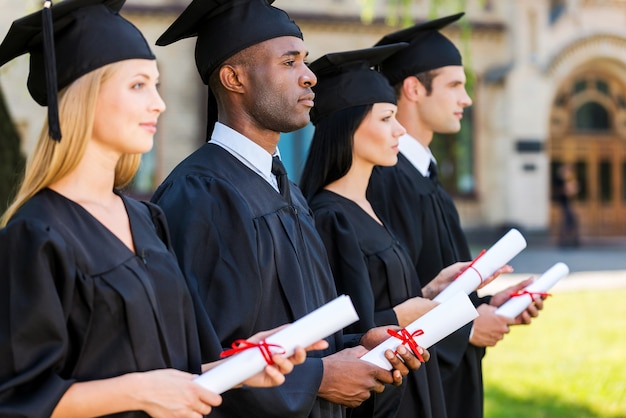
[265, 138]
[92, 180]
[353, 185]
[414, 126]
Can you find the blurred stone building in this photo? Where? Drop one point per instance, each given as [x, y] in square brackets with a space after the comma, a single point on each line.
[549, 86]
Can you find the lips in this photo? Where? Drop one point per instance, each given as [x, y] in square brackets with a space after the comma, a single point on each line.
[149, 126]
[307, 100]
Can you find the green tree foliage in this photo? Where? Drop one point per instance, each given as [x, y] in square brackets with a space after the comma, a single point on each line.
[11, 158]
[401, 13]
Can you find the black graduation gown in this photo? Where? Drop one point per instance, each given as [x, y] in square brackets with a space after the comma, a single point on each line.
[76, 304]
[424, 218]
[371, 266]
[256, 262]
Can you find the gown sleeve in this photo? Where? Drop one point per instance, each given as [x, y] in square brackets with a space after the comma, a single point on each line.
[36, 280]
[350, 269]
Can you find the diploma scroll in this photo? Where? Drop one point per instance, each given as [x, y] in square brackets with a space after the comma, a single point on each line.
[322, 322]
[500, 253]
[436, 324]
[517, 304]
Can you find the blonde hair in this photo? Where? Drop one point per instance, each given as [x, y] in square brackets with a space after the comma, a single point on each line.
[51, 160]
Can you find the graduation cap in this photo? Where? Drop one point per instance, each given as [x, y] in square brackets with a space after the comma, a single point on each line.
[347, 79]
[67, 41]
[428, 49]
[223, 28]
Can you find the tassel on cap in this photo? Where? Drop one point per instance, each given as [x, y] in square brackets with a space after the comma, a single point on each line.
[54, 126]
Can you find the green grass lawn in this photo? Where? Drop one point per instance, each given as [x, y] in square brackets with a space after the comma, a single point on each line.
[570, 362]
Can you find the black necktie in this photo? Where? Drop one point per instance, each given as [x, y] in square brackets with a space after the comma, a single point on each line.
[432, 171]
[278, 169]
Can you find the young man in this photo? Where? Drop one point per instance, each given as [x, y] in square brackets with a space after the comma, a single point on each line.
[243, 234]
[429, 80]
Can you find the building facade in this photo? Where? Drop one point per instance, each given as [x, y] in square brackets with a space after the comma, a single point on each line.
[548, 84]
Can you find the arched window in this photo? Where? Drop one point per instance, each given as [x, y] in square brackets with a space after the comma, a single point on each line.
[592, 116]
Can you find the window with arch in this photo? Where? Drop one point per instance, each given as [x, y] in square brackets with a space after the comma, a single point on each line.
[592, 116]
[590, 105]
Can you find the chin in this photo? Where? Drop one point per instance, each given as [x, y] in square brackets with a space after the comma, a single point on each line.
[143, 146]
[390, 162]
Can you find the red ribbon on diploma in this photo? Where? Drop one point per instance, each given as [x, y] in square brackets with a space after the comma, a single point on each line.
[531, 294]
[471, 266]
[407, 338]
[265, 348]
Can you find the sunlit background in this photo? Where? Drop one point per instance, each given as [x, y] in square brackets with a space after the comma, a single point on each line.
[548, 81]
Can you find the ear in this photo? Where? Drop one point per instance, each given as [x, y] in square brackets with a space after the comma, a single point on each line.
[413, 89]
[230, 77]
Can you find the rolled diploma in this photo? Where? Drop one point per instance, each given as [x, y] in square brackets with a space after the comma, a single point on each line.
[500, 253]
[322, 322]
[516, 305]
[437, 324]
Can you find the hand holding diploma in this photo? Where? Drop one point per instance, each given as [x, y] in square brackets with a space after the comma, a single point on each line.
[484, 266]
[251, 358]
[274, 374]
[522, 299]
[427, 330]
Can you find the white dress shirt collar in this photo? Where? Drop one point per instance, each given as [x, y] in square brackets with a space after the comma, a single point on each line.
[417, 154]
[245, 150]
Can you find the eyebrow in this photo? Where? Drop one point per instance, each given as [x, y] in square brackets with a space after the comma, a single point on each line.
[146, 76]
[294, 53]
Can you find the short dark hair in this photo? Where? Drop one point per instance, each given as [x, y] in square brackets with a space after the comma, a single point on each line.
[426, 78]
[330, 153]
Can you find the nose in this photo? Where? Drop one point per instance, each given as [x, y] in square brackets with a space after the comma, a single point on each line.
[466, 100]
[158, 104]
[399, 129]
[308, 79]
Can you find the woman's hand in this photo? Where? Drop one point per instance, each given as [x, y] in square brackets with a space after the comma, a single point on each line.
[274, 375]
[443, 279]
[502, 270]
[172, 393]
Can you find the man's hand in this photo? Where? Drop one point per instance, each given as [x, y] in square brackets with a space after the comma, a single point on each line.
[489, 328]
[348, 380]
[532, 311]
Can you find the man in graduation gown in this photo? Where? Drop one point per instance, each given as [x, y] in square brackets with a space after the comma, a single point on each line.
[244, 235]
[430, 83]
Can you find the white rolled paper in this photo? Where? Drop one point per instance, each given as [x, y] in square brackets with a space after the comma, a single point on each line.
[436, 324]
[516, 305]
[500, 253]
[322, 322]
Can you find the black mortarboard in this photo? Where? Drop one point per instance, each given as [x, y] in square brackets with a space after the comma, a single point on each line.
[347, 79]
[223, 28]
[86, 34]
[428, 49]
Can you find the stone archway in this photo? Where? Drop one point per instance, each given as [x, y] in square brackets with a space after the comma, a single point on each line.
[588, 131]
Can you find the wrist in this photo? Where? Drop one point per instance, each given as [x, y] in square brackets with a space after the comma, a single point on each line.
[131, 387]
